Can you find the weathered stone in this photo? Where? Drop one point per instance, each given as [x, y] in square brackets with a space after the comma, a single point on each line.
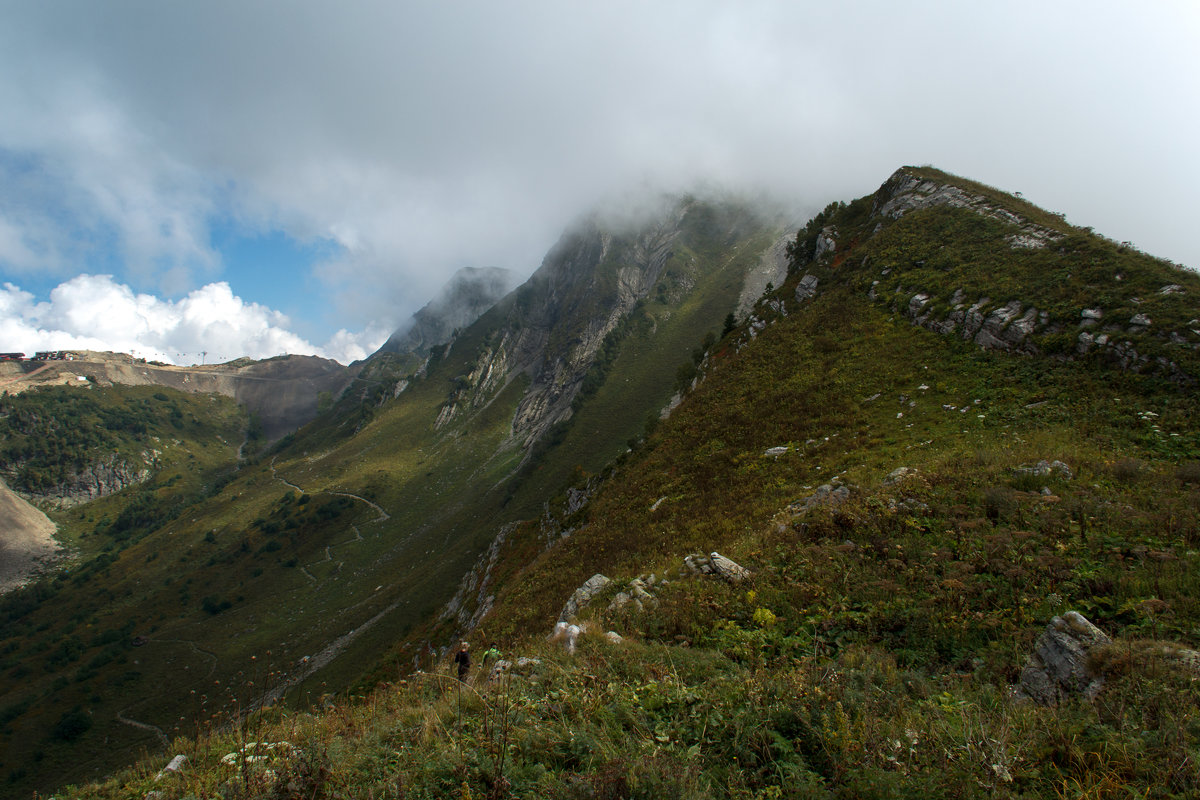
[827, 494]
[499, 669]
[715, 564]
[638, 594]
[524, 665]
[973, 319]
[898, 474]
[583, 595]
[806, 288]
[1140, 320]
[990, 335]
[1044, 468]
[1059, 666]
[567, 634]
[1171, 288]
[826, 243]
[727, 568]
[1019, 329]
[174, 767]
[775, 451]
[99, 479]
[903, 192]
[619, 601]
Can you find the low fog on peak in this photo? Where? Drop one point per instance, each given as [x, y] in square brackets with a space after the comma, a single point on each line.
[380, 147]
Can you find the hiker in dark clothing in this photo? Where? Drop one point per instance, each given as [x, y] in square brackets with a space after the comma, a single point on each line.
[463, 659]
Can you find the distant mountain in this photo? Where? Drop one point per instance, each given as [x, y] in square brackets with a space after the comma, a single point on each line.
[470, 292]
[284, 392]
[371, 514]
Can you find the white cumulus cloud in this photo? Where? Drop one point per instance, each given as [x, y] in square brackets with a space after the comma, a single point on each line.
[210, 324]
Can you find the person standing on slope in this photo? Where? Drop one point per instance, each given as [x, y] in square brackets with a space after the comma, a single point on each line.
[463, 659]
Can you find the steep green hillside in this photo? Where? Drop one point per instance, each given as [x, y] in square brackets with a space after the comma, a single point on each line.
[327, 556]
[66, 639]
[890, 611]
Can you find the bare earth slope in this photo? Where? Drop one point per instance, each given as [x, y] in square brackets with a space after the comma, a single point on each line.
[26, 538]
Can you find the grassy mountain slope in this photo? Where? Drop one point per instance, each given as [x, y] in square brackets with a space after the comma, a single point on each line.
[871, 654]
[329, 553]
[66, 637]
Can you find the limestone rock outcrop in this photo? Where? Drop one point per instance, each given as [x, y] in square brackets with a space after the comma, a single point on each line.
[716, 565]
[1059, 666]
[99, 479]
[1046, 468]
[582, 596]
[827, 494]
[638, 593]
[807, 287]
[904, 192]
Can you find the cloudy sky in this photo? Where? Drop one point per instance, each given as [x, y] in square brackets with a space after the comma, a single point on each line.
[234, 178]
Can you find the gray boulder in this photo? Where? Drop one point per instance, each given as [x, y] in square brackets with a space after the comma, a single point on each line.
[898, 475]
[583, 595]
[826, 243]
[1059, 666]
[1044, 468]
[638, 593]
[176, 766]
[806, 288]
[716, 565]
[728, 569]
[827, 494]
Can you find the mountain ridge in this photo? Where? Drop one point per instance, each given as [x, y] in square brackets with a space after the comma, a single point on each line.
[375, 493]
[880, 480]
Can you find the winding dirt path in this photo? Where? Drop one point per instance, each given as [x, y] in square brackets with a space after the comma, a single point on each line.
[195, 649]
[25, 376]
[145, 726]
[383, 515]
[324, 657]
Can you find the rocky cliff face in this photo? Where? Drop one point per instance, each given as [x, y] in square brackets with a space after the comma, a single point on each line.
[99, 479]
[904, 192]
[556, 323]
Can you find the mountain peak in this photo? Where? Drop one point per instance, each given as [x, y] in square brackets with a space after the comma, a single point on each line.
[466, 296]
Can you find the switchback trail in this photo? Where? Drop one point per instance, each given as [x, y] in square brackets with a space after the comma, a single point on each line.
[383, 515]
[146, 726]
